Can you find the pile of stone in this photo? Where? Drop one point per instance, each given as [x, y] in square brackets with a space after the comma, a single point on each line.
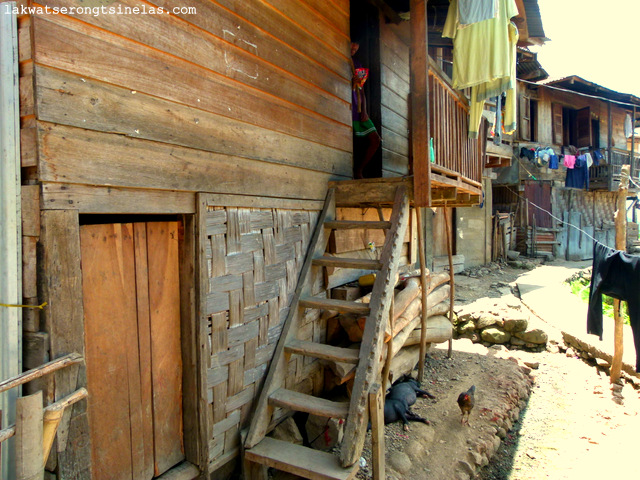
[498, 321]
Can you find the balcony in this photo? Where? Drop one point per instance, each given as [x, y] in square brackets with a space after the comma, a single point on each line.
[607, 177]
[456, 173]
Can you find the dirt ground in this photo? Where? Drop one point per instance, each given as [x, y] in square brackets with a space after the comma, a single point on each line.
[537, 415]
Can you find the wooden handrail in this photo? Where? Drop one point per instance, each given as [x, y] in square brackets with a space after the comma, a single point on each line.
[40, 371]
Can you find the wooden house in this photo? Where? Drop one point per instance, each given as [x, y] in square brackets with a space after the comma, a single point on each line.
[557, 114]
[174, 162]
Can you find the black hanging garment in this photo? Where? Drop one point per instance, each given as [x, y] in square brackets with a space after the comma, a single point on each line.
[616, 274]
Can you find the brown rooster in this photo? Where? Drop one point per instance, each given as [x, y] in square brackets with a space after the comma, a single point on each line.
[466, 401]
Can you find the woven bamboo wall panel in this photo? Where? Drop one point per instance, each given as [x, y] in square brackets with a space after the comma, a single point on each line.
[596, 208]
[253, 259]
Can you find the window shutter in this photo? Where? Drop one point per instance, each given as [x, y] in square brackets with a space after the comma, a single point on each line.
[556, 123]
[583, 127]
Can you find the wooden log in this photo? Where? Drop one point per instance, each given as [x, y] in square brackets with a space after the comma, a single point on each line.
[413, 288]
[433, 298]
[29, 462]
[404, 362]
[438, 330]
[376, 405]
[621, 244]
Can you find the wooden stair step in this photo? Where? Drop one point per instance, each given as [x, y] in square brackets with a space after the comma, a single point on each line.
[355, 224]
[298, 460]
[301, 402]
[343, 306]
[323, 351]
[339, 262]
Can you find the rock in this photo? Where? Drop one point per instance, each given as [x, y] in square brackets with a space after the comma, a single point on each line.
[515, 324]
[465, 467]
[536, 336]
[533, 365]
[466, 328]
[475, 457]
[288, 431]
[502, 433]
[400, 462]
[495, 335]
[414, 449]
[517, 342]
[602, 363]
[486, 320]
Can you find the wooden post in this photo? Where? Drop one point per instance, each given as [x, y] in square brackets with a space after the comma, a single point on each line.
[452, 291]
[425, 289]
[621, 244]
[29, 462]
[419, 82]
[376, 406]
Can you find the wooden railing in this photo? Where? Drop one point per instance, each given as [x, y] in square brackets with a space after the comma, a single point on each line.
[607, 175]
[449, 120]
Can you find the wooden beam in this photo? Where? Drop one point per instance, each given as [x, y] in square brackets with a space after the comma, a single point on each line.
[420, 128]
[376, 405]
[451, 274]
[425, 289]
[621, 244]
[29, 463]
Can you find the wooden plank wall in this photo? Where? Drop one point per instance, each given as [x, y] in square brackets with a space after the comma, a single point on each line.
[133, 113]
[247, 98]
[546, 97]
[394, 57]
[253, 259]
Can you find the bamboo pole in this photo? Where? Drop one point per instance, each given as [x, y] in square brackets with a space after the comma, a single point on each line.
[40, 371]
[621, 244]
[425, 289]
[451, 274]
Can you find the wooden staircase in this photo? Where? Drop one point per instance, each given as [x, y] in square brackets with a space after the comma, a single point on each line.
[263, 451]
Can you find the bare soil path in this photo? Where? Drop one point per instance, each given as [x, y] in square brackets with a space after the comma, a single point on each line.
[567, 427]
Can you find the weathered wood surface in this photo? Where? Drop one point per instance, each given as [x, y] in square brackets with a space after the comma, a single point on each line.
[376, 407]
[298, 460]
[621, 244]
[38, 372]
[439, 330]
[382, 293]
[64, 321]
[29, 460]
[100, 106]
[145, 164]
[435, 298]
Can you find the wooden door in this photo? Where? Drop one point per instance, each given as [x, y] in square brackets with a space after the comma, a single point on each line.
[132, 342]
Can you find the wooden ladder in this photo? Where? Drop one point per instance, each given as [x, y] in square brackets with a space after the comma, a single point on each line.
[306, 462]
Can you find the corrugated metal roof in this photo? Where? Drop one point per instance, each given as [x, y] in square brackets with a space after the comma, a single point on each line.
[534, 20]
[580, 85]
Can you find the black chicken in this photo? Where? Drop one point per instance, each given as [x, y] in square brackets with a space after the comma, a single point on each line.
[466, 401]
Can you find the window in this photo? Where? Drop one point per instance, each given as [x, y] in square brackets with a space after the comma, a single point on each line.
[571, 126]
[528, 119]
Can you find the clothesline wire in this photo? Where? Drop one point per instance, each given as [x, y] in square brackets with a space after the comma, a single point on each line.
[554, 217]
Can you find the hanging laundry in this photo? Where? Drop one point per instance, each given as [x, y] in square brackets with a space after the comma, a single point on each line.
[569, 161]
[484, 58]
[474, 11]
[597, 157]
[578, 176]
[528, 153]
[616, 274]
[589, 159]
[628, 126]
[553, 162]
